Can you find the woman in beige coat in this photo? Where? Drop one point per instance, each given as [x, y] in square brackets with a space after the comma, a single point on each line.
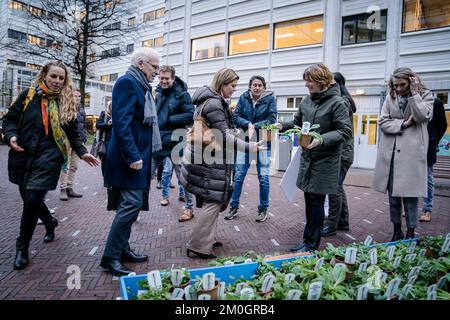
[401, 166]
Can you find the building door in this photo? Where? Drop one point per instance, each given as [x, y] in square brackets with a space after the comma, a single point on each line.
[365, 132]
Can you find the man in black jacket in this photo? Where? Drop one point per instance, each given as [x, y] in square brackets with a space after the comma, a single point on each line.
[67, 176]
[436, 130]
[175, 111]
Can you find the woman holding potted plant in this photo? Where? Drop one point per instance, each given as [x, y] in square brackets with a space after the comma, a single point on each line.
[318, 175]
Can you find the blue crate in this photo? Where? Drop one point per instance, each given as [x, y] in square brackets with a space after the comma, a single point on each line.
[225, 273]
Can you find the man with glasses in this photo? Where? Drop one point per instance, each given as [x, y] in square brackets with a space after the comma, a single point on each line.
[135, 136]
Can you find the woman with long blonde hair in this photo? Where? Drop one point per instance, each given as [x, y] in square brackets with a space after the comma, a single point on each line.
[37, 127]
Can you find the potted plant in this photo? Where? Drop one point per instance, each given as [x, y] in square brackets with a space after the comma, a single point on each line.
[267, 130]
[303, 138]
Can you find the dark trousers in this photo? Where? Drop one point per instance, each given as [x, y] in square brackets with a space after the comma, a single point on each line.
[34, 207]
[159, 171]
[315, 216]
[338, 213]
[130, 203]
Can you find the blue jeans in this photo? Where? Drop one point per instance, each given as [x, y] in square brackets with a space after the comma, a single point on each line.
[428, 201]
[166, 177]
[241, 168]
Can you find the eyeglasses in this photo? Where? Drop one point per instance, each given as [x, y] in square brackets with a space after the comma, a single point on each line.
[154, 67]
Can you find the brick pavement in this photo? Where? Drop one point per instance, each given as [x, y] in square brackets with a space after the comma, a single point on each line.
[84, 225]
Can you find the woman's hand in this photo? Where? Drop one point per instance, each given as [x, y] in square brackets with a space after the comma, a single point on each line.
[413, 85]
[260, 145]
[109, 122]
[14, 145]
[279, 126]
[137, 165]
[410, 122]
[314, 143]
[90, 159]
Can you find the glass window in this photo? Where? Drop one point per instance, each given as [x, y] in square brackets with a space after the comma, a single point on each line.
[443, 96]
[148, 16]
[425, 14]
[298, 100]
[87, 100]
[298, 32]
[104, 78]
[130, 48]
[131, 21]
[36, 40]
[249, 40]
[16, 5]
[113, 77]
[150, 43]
[285, 116]
[355, 125]
[373, 123]
[160, 13]
[159, 42]
[20, 36]
[362, 28]
[290, 103]
[208, 47]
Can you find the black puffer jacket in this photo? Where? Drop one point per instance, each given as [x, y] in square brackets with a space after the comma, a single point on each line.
[436, 130]
[39, 165]
[211, 182]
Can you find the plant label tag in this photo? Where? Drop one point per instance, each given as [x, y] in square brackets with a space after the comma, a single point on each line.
[222, 286]
[177, 294]
[294, 294]
[248, 260]
[414, 271]
[247, 294]
[422, 252]
[363, 290]
[306, 127]
[154, 279]
[390, 251]
[362, 267]
[350, 255]
[204, 296]
[406, 290]
[187, 292]
[382, 276]
[315, 290]
[412, 280]
[176, 276]
[441, 282]
[446, 245]
[289, 277]
[447, 236]
[412, 246]
[397, 261]
[432, 292]
[267, 283]
[228, 263]
[373, 256]
[392, 287]
[410, 257]
[240, 286]
[368, 240]
[209, 281]
[267, 256]
[140, 292]
[319, 264]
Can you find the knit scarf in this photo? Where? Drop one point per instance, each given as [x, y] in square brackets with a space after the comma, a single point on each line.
[49, 110]
[150, 115]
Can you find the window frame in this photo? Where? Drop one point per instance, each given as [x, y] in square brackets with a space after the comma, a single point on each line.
[209, 36]
[403, 21]
[298, 19]
[251, 28]
[355, 19]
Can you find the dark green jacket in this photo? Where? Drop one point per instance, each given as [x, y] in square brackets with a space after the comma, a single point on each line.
[319, 167]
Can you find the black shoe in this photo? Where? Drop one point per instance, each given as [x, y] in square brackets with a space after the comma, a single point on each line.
[73, 194]
[398, 234]
[410, 234]
[171, 186]
[130, 256]
[217, 244]
[158, 185]
[201, 255]
[328, 231]
[21, 259]
[50, 234]
[300, 248]
[343, 228]
[114, 267]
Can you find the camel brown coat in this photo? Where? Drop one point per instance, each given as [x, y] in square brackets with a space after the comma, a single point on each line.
[408, 147]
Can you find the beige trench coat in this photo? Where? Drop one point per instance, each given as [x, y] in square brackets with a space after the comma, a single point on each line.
[411, 145]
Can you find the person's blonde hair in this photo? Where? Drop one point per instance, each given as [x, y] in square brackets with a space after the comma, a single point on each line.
[223, 77]
[67, 108]
[319, 73]
[108, 108]
[403, 73]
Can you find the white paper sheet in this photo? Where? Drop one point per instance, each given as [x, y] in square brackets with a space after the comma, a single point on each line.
[288, 183]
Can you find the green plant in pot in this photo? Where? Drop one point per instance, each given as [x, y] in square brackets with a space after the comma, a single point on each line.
[304, 139]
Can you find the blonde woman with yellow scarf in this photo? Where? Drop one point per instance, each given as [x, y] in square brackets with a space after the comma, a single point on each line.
[37, 127]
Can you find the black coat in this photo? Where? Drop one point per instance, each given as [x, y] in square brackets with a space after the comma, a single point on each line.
[175, 111]
[38, 166]
[104, 127]
[436, 130]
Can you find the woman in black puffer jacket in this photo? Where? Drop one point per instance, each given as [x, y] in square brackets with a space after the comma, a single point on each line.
[210, 178]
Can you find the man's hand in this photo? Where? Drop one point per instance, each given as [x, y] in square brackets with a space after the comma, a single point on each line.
[137, 165]
[14, 145]
[313, 144]
[251, 130]
[90, 159]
